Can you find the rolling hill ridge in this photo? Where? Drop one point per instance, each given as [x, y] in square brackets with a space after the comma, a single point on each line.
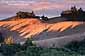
[39, 30]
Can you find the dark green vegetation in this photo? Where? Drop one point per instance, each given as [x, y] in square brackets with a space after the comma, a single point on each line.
[28, 49]
[76, 46]
[21, 14]
[74, 14]
[1, 38]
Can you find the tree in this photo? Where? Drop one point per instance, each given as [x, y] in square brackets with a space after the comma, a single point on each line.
[74, 12]
[44, 18]
[80, 10]
[1, 38]
[73, 9]
[28, 43]
[21, 14]
[33, 14]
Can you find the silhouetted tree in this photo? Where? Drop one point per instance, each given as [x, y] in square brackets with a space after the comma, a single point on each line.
[33, 14]
[74, 14]
[80, 14]
[21, 14]
[80, 10]
[44, 18]
[74, 9]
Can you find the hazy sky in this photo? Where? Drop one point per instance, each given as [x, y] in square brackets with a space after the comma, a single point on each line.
[48, 7]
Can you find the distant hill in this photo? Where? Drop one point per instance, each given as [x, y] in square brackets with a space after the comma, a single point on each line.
[10, 18]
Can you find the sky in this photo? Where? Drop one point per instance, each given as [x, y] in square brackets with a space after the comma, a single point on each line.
[49, 8]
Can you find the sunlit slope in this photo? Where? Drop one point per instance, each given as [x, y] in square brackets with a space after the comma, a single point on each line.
[31, 27]
[39, 30]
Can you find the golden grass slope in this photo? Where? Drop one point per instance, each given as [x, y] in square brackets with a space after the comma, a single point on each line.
[29, 27]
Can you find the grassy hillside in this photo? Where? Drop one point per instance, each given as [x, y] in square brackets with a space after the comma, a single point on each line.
[37, 29]
[29, 27]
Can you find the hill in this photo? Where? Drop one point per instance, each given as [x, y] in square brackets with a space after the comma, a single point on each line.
[39, 30]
